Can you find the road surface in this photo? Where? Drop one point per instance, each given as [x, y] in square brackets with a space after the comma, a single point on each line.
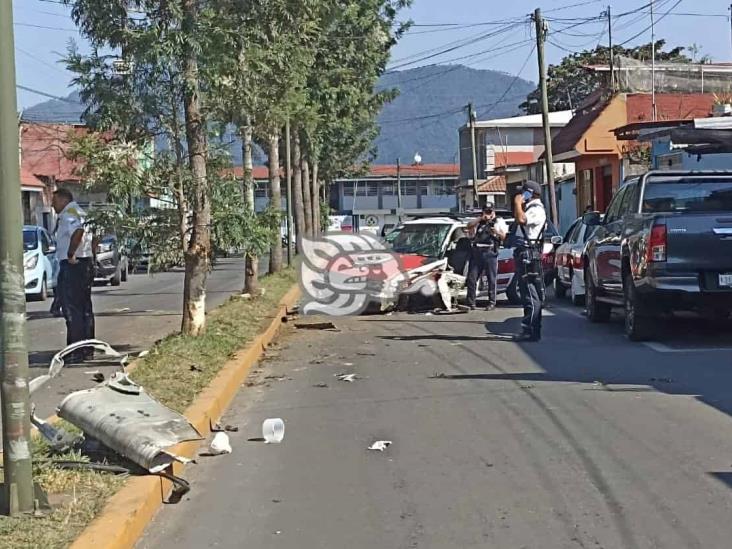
[582, 441]
[130, 317]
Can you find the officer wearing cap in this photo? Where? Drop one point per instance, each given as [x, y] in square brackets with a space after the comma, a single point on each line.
[530, 218]
[487, 231]
[74, 252]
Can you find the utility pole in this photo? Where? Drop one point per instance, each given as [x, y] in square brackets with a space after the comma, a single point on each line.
[471, 121]
[288, 177]
[541, 30]
[399, 190]
[18, 483]
[610, 40]
[653, 62]
[730, 21]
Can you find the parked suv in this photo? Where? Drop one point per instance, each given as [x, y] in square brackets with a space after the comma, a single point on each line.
[665, 245]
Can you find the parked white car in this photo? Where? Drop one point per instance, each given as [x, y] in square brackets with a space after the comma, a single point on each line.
[39, 262]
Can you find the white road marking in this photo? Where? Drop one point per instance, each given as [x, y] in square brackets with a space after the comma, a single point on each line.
[662, 348]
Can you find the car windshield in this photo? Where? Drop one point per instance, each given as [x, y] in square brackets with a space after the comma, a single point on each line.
[419, 239]
[30, 240]
[688, 194]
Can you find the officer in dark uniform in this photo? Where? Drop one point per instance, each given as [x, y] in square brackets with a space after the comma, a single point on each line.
[529, 232]
[488, 232]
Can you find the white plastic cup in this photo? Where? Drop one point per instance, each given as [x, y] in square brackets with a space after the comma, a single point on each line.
[273, 430]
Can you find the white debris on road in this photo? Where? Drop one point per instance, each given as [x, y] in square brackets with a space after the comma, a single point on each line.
[220, 444]
[380, 445]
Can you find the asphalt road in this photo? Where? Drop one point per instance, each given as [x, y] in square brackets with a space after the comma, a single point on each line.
[585, 440]
[130, 317]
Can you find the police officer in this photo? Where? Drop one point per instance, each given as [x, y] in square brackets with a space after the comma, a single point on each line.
[530, 223]
[74, 252]
[487, 232]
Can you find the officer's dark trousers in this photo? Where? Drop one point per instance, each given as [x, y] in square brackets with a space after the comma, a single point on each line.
[482, 260]
[76, 300]
[531, 289]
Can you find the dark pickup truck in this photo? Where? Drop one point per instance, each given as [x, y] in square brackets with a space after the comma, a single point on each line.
[665, 244]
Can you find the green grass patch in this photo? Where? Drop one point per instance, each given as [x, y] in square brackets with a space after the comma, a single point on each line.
[175, 371]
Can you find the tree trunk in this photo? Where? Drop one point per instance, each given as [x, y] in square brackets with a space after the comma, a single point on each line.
[199, 246]
[251, 267]
[316, 199]
[307, 197]
[297, 194]
[179, 186]
[275, 201]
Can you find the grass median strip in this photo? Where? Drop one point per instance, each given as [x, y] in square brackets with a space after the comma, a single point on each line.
[175, 371]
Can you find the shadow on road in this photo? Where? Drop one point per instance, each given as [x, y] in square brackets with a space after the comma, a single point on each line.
[42, 359]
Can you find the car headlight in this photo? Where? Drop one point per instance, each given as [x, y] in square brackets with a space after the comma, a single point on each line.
[31, 262]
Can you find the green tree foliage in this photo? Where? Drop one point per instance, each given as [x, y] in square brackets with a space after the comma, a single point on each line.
[570, 82]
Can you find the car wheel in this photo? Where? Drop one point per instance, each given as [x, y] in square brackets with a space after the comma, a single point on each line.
[116, 280]
[560, 290]
[512, 293]
[638, 325]
[596, 311]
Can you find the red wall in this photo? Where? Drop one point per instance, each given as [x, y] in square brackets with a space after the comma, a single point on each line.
[669, 106]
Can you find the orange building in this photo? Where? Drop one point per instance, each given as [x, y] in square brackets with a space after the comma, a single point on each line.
[589, 142]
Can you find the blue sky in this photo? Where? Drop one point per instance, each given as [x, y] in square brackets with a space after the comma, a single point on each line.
[39, 49]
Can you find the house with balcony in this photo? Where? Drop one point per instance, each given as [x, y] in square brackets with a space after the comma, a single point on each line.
[378, 197]
[508, 152]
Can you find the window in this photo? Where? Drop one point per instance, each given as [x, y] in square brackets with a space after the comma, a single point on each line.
[613, 211]
[45, 242]
[388, 189]
[688, 194]
[442, 188]
[409, 188]
[348, 189]
[30, 240]
[629, 200]
[424, 188]
[571, 233]
[371, 188]
[419, 239]
[261, 189]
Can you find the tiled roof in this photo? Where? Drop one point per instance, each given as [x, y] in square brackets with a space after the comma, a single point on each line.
[27, 179]
[493, 185]
[259, 172]
[424, 170]
[44, 148]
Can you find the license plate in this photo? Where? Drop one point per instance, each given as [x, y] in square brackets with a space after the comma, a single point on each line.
[725, 280]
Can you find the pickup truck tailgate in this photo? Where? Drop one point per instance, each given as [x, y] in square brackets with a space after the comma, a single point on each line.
[699, 242]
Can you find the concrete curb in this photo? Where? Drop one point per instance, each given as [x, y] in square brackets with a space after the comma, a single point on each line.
[126, 515]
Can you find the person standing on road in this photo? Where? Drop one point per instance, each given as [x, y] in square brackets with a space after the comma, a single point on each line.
[76, 271]
[487, 232]
[530, 224]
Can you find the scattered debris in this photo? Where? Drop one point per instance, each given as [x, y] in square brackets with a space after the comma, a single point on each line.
[390, 314]
[58, 439]
[277, 378]
[226, 428]
[661, 380]
[143, 354]
[122, 416]
[428, 314]
[438, 375]
[321, 385]
[380, 445]
[276, 501]
[366, 354]
[273, 430]
[194, 368]
[57, 362]
[316, 326]
[348, 363]
[262, 292]
[348, 378]
[98, 377]
[277, 532]
[220, 444]
[245, 296]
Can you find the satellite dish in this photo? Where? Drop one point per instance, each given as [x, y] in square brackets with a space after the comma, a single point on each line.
[417, 158]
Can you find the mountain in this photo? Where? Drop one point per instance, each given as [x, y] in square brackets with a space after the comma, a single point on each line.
[431, 106]
[424, 118]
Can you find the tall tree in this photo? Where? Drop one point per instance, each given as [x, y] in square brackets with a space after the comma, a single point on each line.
[275, 200]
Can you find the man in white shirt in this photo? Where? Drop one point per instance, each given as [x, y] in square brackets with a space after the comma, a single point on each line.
[530, 224]
[76, 275]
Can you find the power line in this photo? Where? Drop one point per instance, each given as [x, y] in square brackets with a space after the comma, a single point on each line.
[44, 94]
[649, 26]
[39, 60]
[44, 27]
[513, 82]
